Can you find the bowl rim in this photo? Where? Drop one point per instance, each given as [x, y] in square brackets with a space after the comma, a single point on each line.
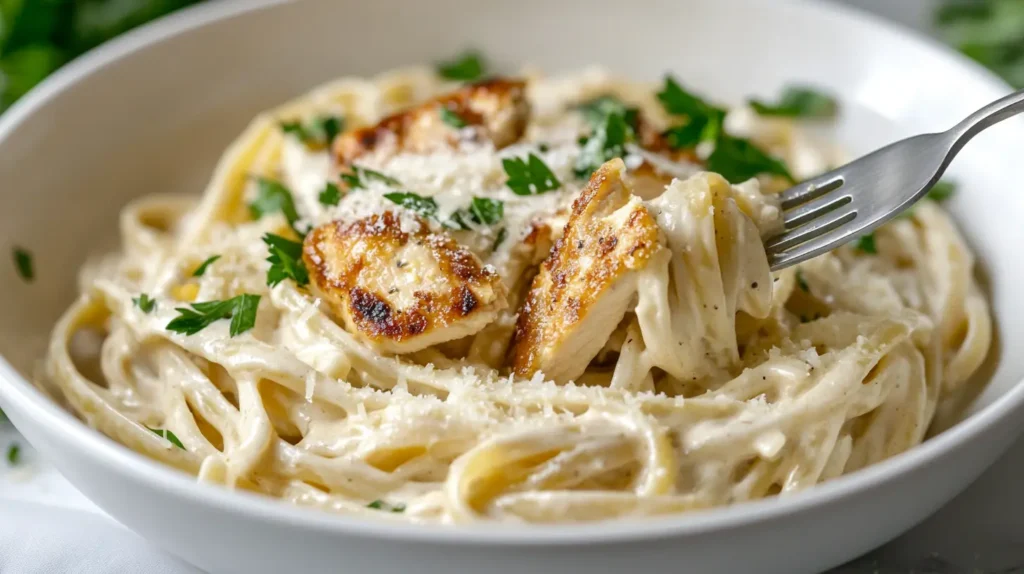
[30, 402]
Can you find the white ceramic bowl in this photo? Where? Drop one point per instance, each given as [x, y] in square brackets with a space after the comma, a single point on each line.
[152, 111]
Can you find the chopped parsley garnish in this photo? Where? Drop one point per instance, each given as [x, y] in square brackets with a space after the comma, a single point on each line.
[529, 177]
[201, 270]
[481, 211]
[241, 309]
[14, 454]
[735, 159]
[799, 101]
[467, 67]
[679, 102]
[425, 206]
[285, 261]
[144, 302]
[608, 141]
[271, 197]
[598, 109]
[360, 177]
[331, 195]
[381, 505]
[738, 160]
[866, 244]
[169, 436]
[23, 264]
[696, 130]
[486, 211]
[801, 282]
[502, 235]
[941, 191]
[319, 132]
[452, 118]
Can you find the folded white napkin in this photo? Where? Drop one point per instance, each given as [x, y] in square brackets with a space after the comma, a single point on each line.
[42, 539]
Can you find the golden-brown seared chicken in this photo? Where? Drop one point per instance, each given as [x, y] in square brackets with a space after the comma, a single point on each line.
[398, 289]
[493, 110]
[586, 285]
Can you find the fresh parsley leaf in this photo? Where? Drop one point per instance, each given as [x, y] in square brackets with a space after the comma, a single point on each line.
[360, 176]
[738, 160]
[481, 211]
[285, 261]
[452, 118]
[331, 195]
[14, 454]
[467, 67]
[799, 101]
[941, 191]
[696, 130]
[144, 302]
[425, 206]
[608, 141]
[23, 264]
[318, 133]
[241, 309]
[486, 211]
[169, 436]
[330, 127]
[201, 270]
[801, 282]
[598, 109]
[502, 235]
[272, 196]
[679, 102]
[530, 177]
[381, 505]
[866, 244]
[294, 128]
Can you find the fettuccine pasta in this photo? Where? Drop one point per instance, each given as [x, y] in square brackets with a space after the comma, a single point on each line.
[408, 318]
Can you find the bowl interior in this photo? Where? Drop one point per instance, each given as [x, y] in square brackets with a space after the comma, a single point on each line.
[155, 120]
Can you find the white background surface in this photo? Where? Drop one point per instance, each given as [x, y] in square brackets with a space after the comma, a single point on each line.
[980, 531]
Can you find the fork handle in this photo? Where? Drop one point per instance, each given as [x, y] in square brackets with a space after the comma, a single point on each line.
[997, 111]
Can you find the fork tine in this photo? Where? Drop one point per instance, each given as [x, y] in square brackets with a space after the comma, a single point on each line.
[810, 189]
[811, 231]
[813, 209]
[829, 240]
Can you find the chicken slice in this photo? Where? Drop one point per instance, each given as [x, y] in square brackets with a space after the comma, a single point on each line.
[494, 110]
[587, 283]
[398, 286]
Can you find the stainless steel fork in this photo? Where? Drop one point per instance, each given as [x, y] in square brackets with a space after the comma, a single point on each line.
[825, 212]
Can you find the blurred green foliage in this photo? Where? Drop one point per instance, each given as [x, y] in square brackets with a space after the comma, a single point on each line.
[38, 36]
[989, 31]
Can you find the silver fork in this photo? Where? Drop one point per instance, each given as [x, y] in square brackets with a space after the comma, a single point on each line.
[825, 212]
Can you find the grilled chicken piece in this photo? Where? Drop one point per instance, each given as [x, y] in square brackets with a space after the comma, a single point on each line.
[493, 110]
[398, 289]
[587, 283]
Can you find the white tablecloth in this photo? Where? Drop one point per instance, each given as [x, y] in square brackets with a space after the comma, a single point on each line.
[44, 539]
